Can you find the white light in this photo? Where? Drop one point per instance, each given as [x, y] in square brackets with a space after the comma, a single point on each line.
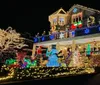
[65, 48]
[61, 35]
[10, 36]
[79, 46]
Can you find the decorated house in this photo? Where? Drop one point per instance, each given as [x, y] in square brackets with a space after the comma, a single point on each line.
[77, 28]
[72, 45]
[77, 17]
[71, 23]
[77, 22]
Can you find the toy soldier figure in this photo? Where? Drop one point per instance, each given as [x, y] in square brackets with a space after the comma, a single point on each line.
[39, 55]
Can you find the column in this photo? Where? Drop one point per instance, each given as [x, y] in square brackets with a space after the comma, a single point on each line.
[73, 45]
[33, 51]
[57, 46]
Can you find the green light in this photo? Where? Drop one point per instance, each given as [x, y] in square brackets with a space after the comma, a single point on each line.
[80, 22]
[75, 23]
[29, 63]
[10, 61]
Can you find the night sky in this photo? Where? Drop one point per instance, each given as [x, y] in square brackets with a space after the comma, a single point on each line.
[26, 17]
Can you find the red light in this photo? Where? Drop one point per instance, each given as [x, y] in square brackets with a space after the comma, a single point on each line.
[80, 25]
[73, 27]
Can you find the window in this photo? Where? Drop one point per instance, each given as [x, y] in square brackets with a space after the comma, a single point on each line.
[55, 21]
[74, 20]
[79, 18]
[61, 20]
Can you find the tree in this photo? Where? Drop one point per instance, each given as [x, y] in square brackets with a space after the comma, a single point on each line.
[9, 38]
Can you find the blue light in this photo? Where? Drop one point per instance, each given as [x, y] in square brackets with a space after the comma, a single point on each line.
[73, 33]
[75, 10]
[99, 28]
[86, 31]
[51, 37]
[53, 59]
[43, 38]
[35, 39]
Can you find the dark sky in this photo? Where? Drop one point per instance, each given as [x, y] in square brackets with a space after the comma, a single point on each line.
[26, 17]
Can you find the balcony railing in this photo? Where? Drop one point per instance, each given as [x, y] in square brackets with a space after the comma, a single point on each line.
[68, 34]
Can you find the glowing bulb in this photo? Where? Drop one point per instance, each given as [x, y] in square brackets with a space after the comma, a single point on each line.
[65, 48]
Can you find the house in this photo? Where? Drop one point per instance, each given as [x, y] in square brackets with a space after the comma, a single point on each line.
[78, 27]
[76, 17]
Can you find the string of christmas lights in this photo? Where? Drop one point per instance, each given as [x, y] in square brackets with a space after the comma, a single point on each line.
[10, 74]
[43, 72]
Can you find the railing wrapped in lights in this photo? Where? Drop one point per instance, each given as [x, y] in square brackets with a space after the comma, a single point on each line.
[68, 34]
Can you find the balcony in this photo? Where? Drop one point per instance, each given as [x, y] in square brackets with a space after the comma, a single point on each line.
[71, 34]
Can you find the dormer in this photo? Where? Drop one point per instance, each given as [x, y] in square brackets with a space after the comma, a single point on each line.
[58, 18]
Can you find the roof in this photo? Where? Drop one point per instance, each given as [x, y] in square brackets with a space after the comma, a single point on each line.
[75, 5]
[83, 7]
[59, 11]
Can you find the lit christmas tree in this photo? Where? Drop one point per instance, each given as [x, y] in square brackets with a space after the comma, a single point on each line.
[88, 50]
[10, 39]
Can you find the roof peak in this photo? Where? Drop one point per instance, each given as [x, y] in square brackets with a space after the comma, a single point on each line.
[83, 7]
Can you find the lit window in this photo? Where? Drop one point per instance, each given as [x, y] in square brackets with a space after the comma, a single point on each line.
[62, 19]
[55, 20]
